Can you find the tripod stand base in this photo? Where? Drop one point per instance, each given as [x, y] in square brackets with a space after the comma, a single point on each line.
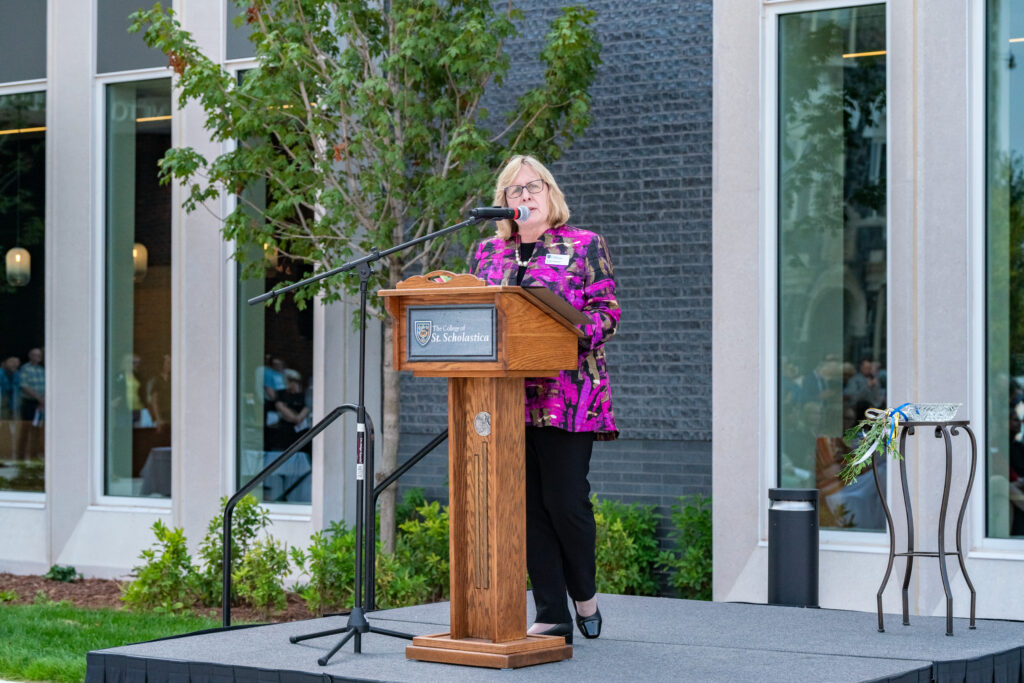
[356, 628]
[442, 648]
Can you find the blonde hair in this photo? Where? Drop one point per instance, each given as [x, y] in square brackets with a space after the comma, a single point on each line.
[558, 210]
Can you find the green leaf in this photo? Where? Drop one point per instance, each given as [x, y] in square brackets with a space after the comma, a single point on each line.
[351, 113]
[873, 434]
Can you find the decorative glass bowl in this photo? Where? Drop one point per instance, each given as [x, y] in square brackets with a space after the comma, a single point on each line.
[930, 412]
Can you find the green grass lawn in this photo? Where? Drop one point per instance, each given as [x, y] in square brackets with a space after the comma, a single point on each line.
[49, 642]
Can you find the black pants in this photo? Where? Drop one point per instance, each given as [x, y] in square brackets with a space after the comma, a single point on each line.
[560, 531]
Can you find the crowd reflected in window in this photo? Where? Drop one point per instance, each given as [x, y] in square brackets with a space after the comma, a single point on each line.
[138, 291]
[832, 252]
[22, 291]
[275, 364]
[1005, 269]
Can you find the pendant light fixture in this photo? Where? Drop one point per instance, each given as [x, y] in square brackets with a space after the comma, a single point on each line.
[270, 254]
[19, 267]
[140, 261]
[18, 260]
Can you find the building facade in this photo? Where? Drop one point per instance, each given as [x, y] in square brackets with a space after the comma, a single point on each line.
[859, 164]
[137, 384]
[866, 249]
[641, 176]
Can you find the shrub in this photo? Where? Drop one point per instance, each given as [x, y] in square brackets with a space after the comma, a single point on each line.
[626, 548]
[422, 545]
[627, 553]
[41, 598]
[63, 573]
[690, 565]
[411, 500]
[248, 519]
[399, 584]
[260, 576]
[415, 574]
[329, 562]
[166, 581]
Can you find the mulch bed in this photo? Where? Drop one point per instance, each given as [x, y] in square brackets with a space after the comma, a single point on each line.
[106, 593]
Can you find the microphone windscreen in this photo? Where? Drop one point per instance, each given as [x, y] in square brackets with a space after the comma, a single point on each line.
[522, 213]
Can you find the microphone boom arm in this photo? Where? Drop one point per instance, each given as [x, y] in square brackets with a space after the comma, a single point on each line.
[373, 256]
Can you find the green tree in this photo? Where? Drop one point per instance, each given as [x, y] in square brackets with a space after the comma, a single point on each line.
[365, 121]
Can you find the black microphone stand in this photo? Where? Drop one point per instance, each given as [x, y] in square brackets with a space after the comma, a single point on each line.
[357, 624]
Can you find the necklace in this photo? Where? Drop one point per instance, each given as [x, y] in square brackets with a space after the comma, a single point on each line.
[519, 261]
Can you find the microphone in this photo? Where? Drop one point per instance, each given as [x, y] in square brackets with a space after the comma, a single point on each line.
[520, 213]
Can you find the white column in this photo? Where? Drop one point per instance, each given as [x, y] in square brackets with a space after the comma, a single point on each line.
[738, 485]
[938, 268]
[201, 330]
[74, 300]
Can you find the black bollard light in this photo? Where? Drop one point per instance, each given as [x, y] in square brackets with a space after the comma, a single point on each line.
[793, 547]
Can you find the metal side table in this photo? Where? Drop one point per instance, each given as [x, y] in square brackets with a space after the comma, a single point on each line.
[943, 430]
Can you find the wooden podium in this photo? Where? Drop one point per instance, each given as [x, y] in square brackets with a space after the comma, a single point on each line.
[485, 339]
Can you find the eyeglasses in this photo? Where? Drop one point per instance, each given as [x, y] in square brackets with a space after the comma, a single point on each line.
[534, 187]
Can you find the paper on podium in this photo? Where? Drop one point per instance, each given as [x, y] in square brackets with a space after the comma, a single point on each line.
[557, 304]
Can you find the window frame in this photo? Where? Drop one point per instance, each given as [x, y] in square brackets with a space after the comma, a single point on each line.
[302, 512]
[772, 11]
[99, 398]
[34, 499]
[983, 546]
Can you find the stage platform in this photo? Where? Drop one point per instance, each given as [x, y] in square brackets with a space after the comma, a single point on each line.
[644, 639]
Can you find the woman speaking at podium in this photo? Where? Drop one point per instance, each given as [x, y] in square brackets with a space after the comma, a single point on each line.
[564, 414]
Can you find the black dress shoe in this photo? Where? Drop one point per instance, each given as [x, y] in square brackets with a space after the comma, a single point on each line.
[590, 626]
[558, 630]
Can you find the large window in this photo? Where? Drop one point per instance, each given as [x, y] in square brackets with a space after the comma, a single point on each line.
[275, 365]
[22, 290]
[275, 391]
[1005, 268]
[831, 250]
[138, 291]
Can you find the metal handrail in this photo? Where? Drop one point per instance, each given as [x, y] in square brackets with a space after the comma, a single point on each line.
[371, 546]
[256, 481]
[370, 549]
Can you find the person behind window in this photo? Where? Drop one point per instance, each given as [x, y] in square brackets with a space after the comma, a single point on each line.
[824, 382]
[293, 411]
[158, 398]
[273, 379]
[564, 414]
[1015, 475]
[10, 391]
[32, 381]
[273, 385]
[865, 387]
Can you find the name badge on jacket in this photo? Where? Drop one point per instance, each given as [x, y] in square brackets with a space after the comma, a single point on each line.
[557, 259]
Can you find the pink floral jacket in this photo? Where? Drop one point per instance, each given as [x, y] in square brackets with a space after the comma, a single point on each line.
[573, 263]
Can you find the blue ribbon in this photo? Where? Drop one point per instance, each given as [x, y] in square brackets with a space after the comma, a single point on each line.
[894, 422]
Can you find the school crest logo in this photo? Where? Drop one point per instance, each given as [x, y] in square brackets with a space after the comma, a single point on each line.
[422, 329]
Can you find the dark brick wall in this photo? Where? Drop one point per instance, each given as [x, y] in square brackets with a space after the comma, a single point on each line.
[642, 177]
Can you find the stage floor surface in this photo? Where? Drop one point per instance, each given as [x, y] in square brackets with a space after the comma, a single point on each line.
[643, 639]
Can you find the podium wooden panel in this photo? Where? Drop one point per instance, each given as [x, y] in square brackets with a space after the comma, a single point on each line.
[486, 445]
